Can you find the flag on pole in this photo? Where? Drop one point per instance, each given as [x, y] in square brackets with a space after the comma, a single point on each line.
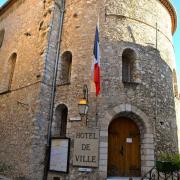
[96, 65]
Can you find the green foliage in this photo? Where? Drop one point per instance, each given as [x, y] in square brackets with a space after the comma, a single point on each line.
[169, 157]
[4, 168]
[168, 162]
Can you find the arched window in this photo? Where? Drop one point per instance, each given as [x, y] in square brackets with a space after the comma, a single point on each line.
[2, 32]
[128, 65]
[60, 122]
[176, 93]
[11, 67]
[65, 67]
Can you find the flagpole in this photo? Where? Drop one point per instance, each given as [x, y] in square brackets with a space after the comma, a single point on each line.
[156, 35]
[96, 113]
[96, 69]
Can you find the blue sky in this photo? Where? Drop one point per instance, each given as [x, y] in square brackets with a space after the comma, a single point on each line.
[176, 36]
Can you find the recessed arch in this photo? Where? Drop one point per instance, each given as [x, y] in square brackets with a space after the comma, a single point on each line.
[129, 53]
[124, 148]
[2, 32]
[11, 68]
[59, 123]
[132, 112]
[65, 67]
[175, 84]
[129, 66]
[146, 133]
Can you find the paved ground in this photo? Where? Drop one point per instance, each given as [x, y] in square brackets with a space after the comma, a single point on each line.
[4, 178]
[123, 178]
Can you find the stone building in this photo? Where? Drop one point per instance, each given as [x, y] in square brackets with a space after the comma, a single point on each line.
[46, 53]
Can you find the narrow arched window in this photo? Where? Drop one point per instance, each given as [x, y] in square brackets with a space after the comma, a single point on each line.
[11, 67]
[65, 67]
[2, 32]
[60, 121]
[128, 65]
[175, 84]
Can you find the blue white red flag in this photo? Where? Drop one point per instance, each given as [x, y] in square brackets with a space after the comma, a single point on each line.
[96, 66]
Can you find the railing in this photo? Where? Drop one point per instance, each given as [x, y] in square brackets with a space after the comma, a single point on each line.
[154, 174]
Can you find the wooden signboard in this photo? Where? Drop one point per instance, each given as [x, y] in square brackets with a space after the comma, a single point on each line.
[86, 148]
[59, 155]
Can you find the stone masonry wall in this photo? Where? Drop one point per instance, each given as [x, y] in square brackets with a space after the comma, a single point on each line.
[26, 23]
[123, 24]
[33, 35]
[127, 25]
[155, 75]
[78, 37]
[39, 162]
[177, 101]
[135, 21]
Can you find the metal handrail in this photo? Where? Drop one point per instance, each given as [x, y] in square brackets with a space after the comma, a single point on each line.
[154, 174]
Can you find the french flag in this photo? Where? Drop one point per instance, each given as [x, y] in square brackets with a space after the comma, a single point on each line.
[96, 65]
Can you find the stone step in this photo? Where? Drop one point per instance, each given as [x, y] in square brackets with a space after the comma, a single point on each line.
[4, 178]
[123, 178]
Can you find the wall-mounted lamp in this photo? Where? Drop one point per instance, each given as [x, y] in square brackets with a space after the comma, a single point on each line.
[83, 104]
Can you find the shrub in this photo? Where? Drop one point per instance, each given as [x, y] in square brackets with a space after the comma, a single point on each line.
[4, 168]
[168, 163]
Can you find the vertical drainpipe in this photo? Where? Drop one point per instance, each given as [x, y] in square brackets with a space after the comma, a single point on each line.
[53, 88]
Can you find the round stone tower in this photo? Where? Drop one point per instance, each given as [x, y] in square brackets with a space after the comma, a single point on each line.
[137, 64]
[135, 111]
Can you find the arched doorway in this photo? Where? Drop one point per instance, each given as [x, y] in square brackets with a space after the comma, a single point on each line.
[124, 148]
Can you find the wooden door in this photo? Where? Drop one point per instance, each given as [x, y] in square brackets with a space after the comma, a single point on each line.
[123, 148]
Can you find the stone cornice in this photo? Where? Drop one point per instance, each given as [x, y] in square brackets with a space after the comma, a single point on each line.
[5, 6]
[172, 13]
[9, 7]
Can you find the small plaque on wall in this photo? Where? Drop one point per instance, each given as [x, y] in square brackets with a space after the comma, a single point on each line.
[85, 169]
[75, 119]
[59, 155]
[129, 140]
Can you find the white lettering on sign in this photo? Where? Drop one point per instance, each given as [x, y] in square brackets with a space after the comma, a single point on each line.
[86, 148]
